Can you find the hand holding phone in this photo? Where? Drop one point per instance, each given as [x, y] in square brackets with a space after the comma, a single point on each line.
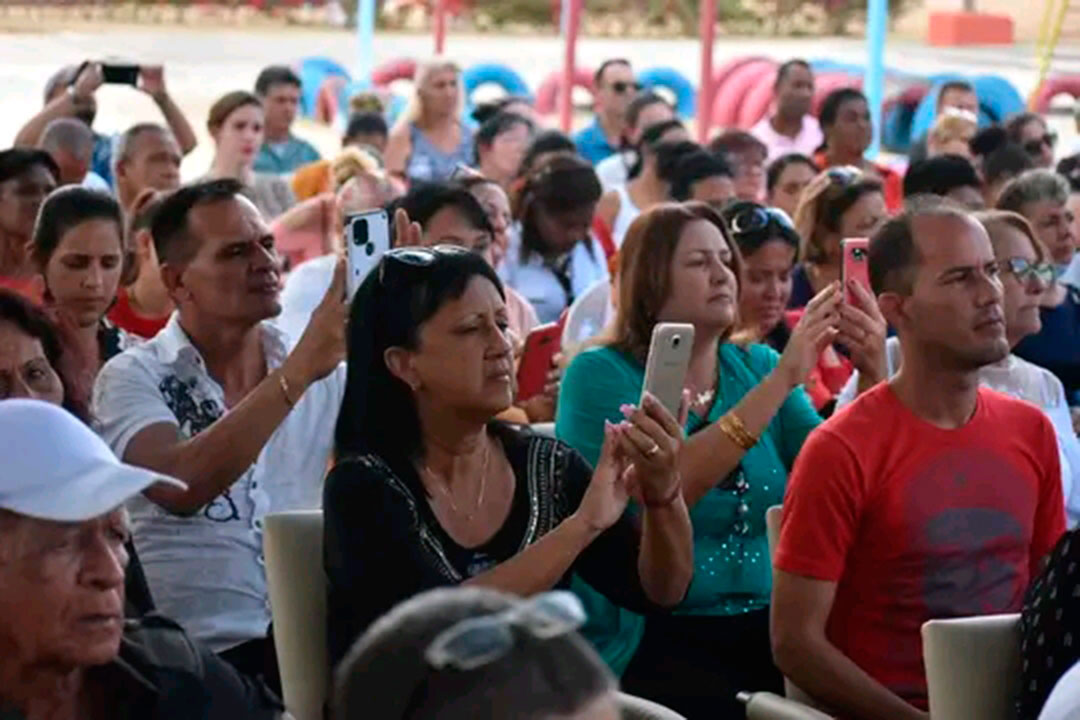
[120, 73]
[367, 239]
[668, 363]
[856, 266]
[541, 347]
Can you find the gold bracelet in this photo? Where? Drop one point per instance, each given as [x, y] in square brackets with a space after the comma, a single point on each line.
[284, 384]
[732, 426]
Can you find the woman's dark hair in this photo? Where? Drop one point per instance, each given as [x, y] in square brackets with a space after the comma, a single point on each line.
[485, 111]
[737, 142]
[18, 311]
[387, 677]
[1014, 126]
[423, 201]
[1006, 162]
[694, 167]
[988, 140]
[561, 183]
[16, 161]
[650, 141]
[830, 109]
[495, 126]
[69, 207]
[823, 212]
[779, 165]
[1069, 168]
[547, 141]
[378, 413]
[750, 242]
[366, 123]
[226, 105]
[940, 175]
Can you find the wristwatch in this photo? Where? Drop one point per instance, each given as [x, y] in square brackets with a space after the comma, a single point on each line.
[75, 97]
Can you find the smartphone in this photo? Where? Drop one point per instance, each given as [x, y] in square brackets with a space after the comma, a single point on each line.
[541, 347]
[120, 74]
[856, 266]
[669, 360]
[367, 239]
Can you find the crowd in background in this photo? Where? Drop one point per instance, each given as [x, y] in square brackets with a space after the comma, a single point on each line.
[178, 361]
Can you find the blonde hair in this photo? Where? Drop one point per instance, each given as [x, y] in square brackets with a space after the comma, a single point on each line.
[353, 161]
[822, 206]
[424, 71]
[997, 220]
[952, 125]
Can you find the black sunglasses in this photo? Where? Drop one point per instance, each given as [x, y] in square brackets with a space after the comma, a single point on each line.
[756, 221]
[1034, 147]
[401, 261]
[620, 87]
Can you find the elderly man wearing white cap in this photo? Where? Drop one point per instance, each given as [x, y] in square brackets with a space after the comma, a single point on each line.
[65, 649]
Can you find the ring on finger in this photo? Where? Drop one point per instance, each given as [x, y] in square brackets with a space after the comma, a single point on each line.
[651, 452]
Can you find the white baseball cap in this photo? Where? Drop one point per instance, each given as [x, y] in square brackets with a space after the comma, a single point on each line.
[54, 467]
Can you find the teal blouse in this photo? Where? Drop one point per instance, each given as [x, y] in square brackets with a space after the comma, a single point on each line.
[732, 572]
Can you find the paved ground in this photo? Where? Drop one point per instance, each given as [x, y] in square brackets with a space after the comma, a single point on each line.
[202, 64]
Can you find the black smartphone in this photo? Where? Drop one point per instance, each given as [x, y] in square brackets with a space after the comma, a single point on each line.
[120, 74]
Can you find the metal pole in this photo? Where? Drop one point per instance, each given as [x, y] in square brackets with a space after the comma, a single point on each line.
[874, 80]
[365, 41]
[571, 18]
[707, 30]
[440, 26]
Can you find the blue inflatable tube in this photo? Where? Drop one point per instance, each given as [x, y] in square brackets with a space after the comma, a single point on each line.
[312, 71]
[492, 74]
[676, 82]
[997, 100]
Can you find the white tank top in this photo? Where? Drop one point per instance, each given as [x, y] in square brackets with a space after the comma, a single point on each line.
[627, 212]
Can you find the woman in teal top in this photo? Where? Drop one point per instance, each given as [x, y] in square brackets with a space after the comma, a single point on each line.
[748, 417]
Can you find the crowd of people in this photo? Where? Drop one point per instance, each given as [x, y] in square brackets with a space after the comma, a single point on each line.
[179, 360]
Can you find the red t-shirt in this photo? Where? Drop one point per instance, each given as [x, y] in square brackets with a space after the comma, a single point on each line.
[914, 522]
[25, 286]
[123, 316]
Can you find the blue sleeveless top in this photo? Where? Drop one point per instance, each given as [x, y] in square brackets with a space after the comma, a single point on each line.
[427, 163]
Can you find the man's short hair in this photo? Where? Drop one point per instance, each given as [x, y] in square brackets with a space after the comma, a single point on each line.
[275, 75]
[893, 256]
[366, 123]
[988, 140]
[70, 135]
[939, 176]
[695, 166]
[1036, 185]
[736, 142]
[599, 75]
[1008, 161]
[787, 67]
[423, 201]
[172, 239]
[16, 161]
[124, 141]
[953, 85]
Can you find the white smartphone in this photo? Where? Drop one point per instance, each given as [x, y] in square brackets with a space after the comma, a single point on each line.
[669, 360]
[367, 239]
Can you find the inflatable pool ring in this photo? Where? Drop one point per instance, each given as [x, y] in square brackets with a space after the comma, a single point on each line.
[1056, 85]
[999, 98]
[328, 103]
[897, 115]
[729, 95]
[547, 95]
[492, 74]
[676, 82]
[388, 72]
[722, 73]
[828, 83]
[312, 72]
[755, 104]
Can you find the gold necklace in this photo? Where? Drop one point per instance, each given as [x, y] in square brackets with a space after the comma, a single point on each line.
[442, 484]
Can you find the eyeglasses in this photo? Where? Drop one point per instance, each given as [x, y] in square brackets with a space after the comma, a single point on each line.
[398, 262]
[621, 87]
[479, 641]
[1025, 271]
[1034, 147]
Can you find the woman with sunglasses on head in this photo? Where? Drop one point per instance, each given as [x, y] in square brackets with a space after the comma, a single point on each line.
[748, 418]
[552, 257]
[1030, 131]
[845, 121]
[658, 154]
[769, 246]
[841, 202]
[428, 490]
[429, 141]
[467, 653]
[1042, 197]
[1026, 273]
[785, 180]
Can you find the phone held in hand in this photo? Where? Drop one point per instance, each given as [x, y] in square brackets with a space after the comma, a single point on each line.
[120, 74]
[367, 239]
[541, 347]
[856, 266]
[668, 363]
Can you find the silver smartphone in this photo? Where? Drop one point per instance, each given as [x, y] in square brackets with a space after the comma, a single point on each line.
[367, 239]
[669, 360]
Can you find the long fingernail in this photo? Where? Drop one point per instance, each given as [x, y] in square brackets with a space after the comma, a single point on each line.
[626, 410]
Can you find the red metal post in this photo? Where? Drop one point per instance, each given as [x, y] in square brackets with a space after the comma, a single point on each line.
[707, 31]
[571, 19]
[439, 23]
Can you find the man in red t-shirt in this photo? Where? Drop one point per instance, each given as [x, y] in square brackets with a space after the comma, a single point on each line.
[928, 497]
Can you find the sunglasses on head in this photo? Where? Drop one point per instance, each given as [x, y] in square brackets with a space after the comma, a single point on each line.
[403, 261]
[1034, 147]
[757, 219]
[843, 175]
[620, 87]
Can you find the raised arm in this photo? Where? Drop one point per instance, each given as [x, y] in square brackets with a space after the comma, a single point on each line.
[152, 82]
[66, 104]
[799, 613]
[213, 459]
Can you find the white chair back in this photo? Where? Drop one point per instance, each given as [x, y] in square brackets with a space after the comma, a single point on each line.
[293, 546]
[632, 707]
[972, 667]
[767, 706]
[587, 316]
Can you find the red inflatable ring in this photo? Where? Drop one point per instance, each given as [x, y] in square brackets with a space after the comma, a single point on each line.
[755, 104]
[547, 95]
[728, 97]
[1056, 85]
[326, 102]
[388, 72]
